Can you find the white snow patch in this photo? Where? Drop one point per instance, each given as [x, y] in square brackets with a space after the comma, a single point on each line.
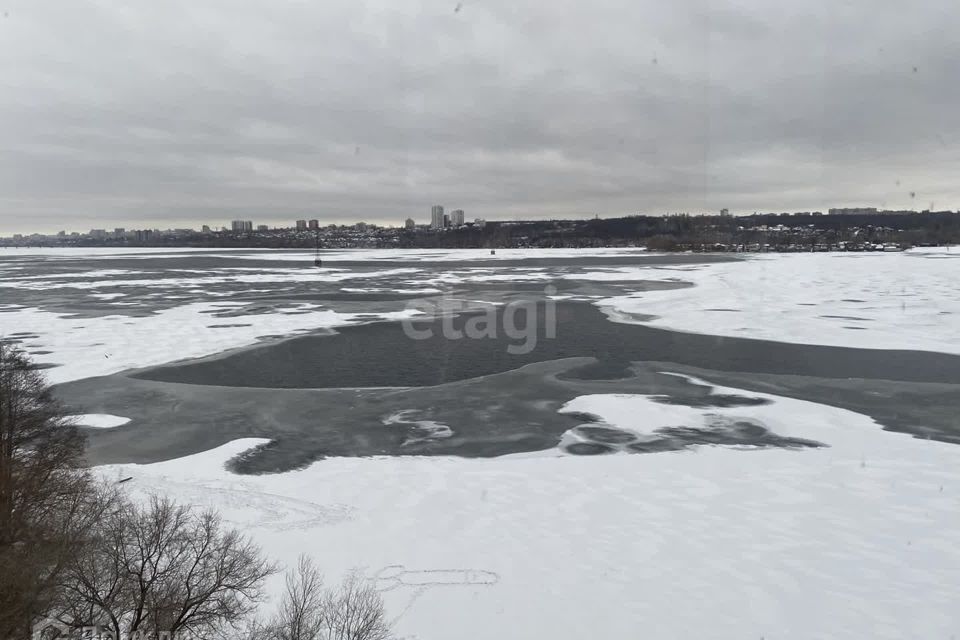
[98, 420]
[907, 300]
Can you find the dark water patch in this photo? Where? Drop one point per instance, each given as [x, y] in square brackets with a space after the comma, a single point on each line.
[726, 310]
[383, 355]
[712, 400]
[264, 458]
[601, 370]
[856, 328]
[734, 433]
[227, 326]
[849, 318]
[583, 417]
[721, 432]
[588, 449]
[659, 445]
[385, 296]
[717, 431]
[606, 435]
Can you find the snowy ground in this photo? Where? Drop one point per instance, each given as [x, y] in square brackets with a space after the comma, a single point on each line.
[857, 540]
[907, 300]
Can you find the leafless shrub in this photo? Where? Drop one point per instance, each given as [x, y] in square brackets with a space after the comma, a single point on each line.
[352, 611]
[355, 611]
[164, 568]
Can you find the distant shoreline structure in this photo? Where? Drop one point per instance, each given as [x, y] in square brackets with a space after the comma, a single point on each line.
[862, 229]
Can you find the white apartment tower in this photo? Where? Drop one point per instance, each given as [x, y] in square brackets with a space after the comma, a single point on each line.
[436, 217]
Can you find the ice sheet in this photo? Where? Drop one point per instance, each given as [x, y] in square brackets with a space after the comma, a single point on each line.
[857, 540]
[907, 300]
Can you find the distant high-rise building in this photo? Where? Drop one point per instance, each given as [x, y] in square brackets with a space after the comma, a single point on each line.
[314, 224]
[99, 234]
[456, 217]
[262, 227]
[436, 217]
[724, 212]
[301, 225]
[241, 226]
[205, 228]
[480, 222]
[410, 224]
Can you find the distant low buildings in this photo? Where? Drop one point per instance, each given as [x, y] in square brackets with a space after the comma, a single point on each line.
[855, 211]
[410, 224]
[314, 224]
[262, 228]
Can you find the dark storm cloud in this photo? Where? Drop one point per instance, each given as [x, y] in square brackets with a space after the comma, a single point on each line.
[179, 113]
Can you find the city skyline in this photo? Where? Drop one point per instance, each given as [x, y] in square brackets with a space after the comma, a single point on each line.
[276, 111]
[437, 218]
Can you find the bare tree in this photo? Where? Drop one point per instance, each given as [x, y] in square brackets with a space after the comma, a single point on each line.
[47, 501]
[164, 568]
[308, 611]
[355, 611]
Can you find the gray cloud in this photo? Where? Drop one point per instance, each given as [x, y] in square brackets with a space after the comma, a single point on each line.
[188, 112]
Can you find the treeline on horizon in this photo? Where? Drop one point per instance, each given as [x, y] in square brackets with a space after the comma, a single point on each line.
[672, 232]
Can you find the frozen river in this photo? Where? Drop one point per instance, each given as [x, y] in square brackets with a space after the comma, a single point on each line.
[777, 434]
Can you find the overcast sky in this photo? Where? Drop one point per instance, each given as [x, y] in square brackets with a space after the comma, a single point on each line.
[139, 113]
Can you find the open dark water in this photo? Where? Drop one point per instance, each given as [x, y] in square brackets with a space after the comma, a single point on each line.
[383, 355]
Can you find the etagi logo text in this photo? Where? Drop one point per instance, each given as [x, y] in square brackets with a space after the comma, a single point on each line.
[522, 321]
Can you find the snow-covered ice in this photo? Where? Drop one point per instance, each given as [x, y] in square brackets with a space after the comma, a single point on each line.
[98, 420]
[857, 540]
[907, 300]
